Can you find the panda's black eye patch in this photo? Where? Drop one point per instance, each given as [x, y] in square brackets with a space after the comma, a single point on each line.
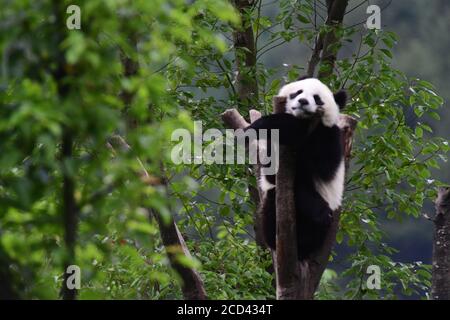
[293, 95]
[318, 101]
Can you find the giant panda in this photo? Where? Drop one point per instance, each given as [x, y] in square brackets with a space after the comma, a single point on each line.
[310, 124]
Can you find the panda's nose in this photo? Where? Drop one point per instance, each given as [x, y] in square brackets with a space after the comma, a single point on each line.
[303, 102]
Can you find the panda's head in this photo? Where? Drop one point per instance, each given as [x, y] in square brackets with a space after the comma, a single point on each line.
[309, 97]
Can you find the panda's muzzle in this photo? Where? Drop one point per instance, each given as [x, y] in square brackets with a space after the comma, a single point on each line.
[302, 103]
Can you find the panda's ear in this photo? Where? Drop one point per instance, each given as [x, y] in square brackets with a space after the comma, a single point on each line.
[303, 78]
[341, 98]
[279, 104]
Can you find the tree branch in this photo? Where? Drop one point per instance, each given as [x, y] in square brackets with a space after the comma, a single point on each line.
[245, 52]
[336, 12]
[326, 42]
[233, 119]
[192, 287]
[315, 56]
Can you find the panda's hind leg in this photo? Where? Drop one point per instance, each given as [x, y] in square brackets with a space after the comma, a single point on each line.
[310, 237]
[314, 217]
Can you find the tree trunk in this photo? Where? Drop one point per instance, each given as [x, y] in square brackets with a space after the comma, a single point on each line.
[247, 86]
[245, 57]
[336, 12]
[326, 42]
[286, 262]
[70, 214]
[69, 208]
[440, 289]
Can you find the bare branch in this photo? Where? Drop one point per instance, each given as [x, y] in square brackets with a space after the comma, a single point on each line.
[192, 287]
[234, 120]
[315, 56]
[244, 44]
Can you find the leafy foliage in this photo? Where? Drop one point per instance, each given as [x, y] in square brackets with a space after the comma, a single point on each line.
[186, 71]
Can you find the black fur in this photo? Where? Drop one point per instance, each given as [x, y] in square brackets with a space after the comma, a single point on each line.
[341, 98]
[303, 78]
[319, 152]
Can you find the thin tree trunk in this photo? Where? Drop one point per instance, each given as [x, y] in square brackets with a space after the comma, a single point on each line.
[69, 208]
[70, 213]
[130, 67]
[326, 43]
[193, 288]
[247, 87]
[8, 283]
[245, 57]
[440, 288]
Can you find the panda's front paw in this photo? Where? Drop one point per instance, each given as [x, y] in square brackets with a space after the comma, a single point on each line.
[320, 111]
[330, 116]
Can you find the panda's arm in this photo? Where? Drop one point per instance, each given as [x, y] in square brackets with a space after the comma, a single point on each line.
[290, 128]
[326, 152]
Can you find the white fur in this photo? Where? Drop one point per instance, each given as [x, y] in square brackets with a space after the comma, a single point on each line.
[262, 151]
[332, 191]
[265, 185]
[310, 87]
[262, 144]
